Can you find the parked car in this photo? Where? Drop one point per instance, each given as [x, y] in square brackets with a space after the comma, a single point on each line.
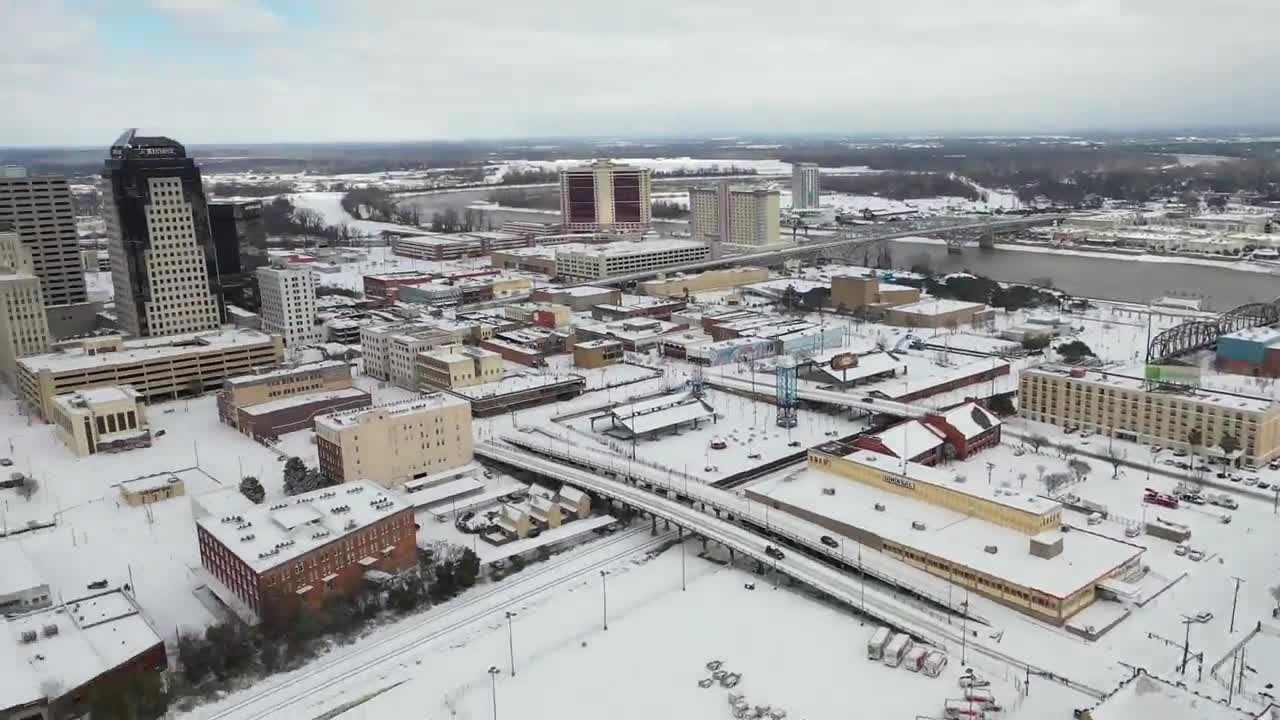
[1169, 461]
[5, 462]
[1181, 550]
[1194, 499]
[1263, 484]
[1161, 499]
[1179, 453]
[1132, 531]
[1274, 464]
[773, 552]
[1196, 555]
[1236, 478]
[160, 433]
[1223, 474]
[1251, 481]
[1204, 616]
[829, 541]
[718, 443]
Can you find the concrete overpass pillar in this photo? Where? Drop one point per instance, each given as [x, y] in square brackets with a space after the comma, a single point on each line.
[653, 529]
[732, 558]
[666, 524]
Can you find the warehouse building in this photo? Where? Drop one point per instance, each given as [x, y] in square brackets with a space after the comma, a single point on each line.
[939, 313]
[246, 390]
[272, 562]
[1003, 544]
[157, 368]
[1124, 404]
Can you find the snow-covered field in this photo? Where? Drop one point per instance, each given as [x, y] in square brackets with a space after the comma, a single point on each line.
[793, 652]
[329, 205]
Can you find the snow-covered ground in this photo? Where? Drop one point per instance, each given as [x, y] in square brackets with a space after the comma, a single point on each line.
[495, 173]
[649, 662]
[97, 536]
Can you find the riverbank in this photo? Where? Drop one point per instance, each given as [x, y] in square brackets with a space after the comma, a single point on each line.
[1240, 264]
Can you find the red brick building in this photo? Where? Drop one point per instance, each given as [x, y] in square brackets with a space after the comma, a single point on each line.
[967, 428]
[271, 562]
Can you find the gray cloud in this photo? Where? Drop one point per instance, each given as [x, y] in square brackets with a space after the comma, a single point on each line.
[388, 69]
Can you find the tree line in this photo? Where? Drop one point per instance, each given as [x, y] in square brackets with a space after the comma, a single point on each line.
[902, 186]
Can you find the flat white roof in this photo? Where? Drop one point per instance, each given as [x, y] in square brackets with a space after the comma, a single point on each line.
[144, 350]
[351, 418]
[294, 401]
[264, 537]
[661, 412]
[149, 482]
[19, 574]
[515, 383]
[938, 306]
[954, 536]
[94, 635]
[1130, 378]
[284, 372]
[628, 247]
[1145, 698]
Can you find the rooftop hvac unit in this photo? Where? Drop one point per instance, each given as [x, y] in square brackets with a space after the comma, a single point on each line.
[28, 636]
[917, 525]
[828, 491]
[991, 549]
[879, 507]
[49, 630]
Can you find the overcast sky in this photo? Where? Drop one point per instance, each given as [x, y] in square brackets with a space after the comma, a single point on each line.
[78, 71]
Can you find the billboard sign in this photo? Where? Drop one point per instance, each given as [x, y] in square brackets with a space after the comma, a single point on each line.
[844, 361]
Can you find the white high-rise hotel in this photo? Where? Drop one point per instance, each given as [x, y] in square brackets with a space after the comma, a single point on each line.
[742, 218]
[805, 187]
[158, 226]
[288, 297]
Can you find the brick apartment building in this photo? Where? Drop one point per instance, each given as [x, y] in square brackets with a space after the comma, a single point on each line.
[272, 562]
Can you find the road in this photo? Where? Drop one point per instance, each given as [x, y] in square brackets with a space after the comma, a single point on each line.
[834, 583]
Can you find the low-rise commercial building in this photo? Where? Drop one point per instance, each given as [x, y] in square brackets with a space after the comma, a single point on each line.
[853, 291]
[157, 368]
[394, 443]
[622, 258]
[386, 286]
[457, 368]
[248, 390]
[520, 390]
[542, 314]
[1004, 544]
[437, 247]
[578, 299]
[1123, 403]
[661, 309]
[151, 488]
[403, 351]
[1251, 351]
[272, 562]
[539, 259]
[55, 659]
[103, 419]
[266, 422]
[597, 353]
[380, 343]
[22, 587]
[939, 313]
[683, 285]
[638, 334]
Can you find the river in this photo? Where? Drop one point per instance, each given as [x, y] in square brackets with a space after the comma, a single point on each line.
[1221, 288]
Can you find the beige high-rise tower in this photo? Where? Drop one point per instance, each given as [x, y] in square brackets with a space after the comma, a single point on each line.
[24, 329]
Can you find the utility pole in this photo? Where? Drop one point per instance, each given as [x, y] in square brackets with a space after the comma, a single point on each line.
[683, 586]
[1186, 643]
[493, 688]
[511, 646]
[1235, 597]
[1231, 686]
[604, 597]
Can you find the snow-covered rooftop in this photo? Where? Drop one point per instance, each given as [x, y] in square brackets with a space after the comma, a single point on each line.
[19, 573]
[1131, 378]
[1147, 698]
[910, 438]
[661, 412]
[971, 419]
[264, 537]
[515, 383]
[628, 247]
[74, 643]
[283, 403]
[283, 372]
[938, 306]
[958, 537]
[350, 418]
[142, 350]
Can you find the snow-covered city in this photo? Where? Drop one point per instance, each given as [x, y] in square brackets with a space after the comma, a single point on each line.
[380, 376]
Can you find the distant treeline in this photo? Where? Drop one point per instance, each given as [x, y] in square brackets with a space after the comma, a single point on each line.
[901, 186]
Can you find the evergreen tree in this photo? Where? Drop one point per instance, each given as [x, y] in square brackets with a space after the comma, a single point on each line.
[252, 489]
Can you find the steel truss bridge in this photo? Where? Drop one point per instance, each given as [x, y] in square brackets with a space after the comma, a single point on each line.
[1199, 334]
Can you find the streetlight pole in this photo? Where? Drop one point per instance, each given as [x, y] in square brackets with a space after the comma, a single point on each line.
[511, 643]
[604, 597]
[493, 688]
[1234, 598]
[1186, 643]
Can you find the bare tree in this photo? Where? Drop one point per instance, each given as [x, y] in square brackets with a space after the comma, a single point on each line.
[1066, 449]
[1037, 441]
[1040, 472]
[28, 488]
[1022, 479]
[1079, 468]
[1053, 481]
[1116, 456]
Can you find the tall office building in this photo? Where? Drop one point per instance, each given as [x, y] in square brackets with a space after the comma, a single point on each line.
[289, 304]
[734, 218]
[240, 248]
[24, 329]
[805, 187]
[606, 197]
[39, 209]
[160, 244]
